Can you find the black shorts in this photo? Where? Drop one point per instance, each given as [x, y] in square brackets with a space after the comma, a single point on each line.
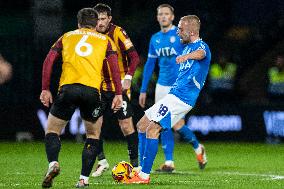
[73, 96]
[126, 109]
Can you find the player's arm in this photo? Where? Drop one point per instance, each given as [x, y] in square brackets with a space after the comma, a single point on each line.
[198, 54]
[147, 74]
[53, 54]
[132, 56]
[111, 56]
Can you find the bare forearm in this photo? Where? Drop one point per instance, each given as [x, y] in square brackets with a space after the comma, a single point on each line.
[196, 55]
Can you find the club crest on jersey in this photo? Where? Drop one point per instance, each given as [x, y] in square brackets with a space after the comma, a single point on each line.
[172, 39]
[166, 51]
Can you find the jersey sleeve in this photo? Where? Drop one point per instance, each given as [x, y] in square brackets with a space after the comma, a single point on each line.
[202, 46]
[111, 56]
[128, 48]
[151, 52]
[149, 67]
[124, 38]
[53, 54]
[147, 73]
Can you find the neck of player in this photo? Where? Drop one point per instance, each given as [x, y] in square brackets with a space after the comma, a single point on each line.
[165, 29]
[194, 38]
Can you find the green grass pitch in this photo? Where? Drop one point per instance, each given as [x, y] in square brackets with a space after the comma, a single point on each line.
[230, 165]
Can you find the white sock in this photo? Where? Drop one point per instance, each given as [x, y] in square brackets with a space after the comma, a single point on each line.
[198, 150]
[86, 179]
[103, 162]
[143, 175]
[169, 163]
[52, 163]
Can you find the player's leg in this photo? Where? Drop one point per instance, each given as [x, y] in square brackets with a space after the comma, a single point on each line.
[167, 136]
[130, 134]
[167, 140]
[141, 128]
[103, 165]
[163, 114]
[190, 137]
[150, 152]
[125, 121]
[102, 162]
[91, 111]
[52, 148]
[186, 133]
[89, 153]
[61, 111]
[151, 147]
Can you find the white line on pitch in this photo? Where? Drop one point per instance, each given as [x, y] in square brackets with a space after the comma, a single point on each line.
[269, 176]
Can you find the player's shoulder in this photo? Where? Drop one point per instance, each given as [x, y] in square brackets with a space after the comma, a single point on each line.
[118, 30]
[115, 27]
[201, 44]
[85, 31]
[173, 29]
[156, 35]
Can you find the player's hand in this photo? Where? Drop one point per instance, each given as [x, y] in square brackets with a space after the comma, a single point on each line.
[116, 103]
[142, 99]
[181, 59]
[46, 97]
[126, 84]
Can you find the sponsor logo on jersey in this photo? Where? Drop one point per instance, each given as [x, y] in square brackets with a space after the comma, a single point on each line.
[186, 65]
[166, 51]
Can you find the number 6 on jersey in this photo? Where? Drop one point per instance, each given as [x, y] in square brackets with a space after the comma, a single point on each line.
[83, 43]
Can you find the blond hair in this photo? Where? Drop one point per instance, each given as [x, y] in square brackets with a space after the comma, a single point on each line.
[193, 22]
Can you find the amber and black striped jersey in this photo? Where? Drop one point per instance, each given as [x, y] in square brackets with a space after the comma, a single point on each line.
[128, 58]
[83, 52]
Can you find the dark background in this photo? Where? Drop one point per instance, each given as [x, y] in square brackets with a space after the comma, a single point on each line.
[250, 32]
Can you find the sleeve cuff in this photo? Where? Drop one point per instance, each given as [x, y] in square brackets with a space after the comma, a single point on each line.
[128, 77]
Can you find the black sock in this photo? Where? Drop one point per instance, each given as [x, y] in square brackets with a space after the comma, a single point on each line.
[52, 146]
[101, 154]
[89, 155]
[132, 142]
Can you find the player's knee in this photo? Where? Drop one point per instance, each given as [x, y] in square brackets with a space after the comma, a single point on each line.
[153, 130]
[143, 124]
[92, 134]
[91, 130]
[179, 125]
[55, 125]
[126, 126]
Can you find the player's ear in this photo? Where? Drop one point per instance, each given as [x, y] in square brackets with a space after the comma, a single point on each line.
[110, 18]
[79, 26]
[173, 17]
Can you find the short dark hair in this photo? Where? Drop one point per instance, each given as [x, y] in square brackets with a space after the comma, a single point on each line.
[87, 17]
[100, 8]
[166, 5]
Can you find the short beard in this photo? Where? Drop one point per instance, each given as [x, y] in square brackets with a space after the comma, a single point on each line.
[187, 37]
